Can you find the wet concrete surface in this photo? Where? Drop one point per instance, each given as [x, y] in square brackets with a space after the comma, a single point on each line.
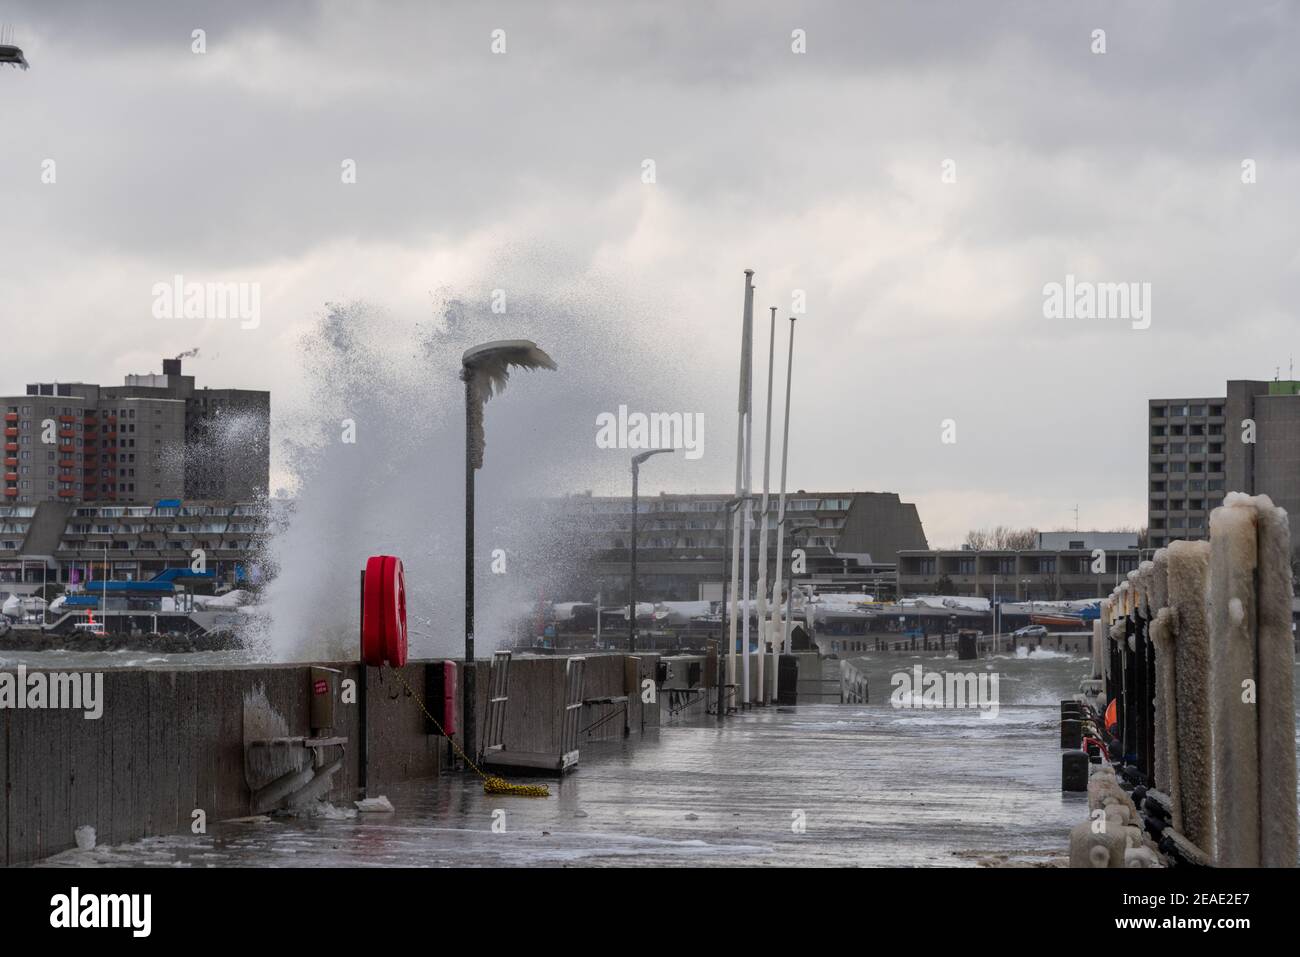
[819, 785]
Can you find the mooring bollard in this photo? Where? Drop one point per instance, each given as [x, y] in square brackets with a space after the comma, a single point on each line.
[1072, 733]
[1074, 771]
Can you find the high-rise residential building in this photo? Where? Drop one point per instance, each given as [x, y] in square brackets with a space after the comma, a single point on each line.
[1201, 448]
[155, 437]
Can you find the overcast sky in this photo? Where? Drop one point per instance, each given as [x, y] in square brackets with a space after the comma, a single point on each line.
[822, 171]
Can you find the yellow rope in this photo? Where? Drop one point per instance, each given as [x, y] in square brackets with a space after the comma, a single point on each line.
[491, 783]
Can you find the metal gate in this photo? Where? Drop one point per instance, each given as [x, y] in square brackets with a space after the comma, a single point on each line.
[572, 718]
[498, 694]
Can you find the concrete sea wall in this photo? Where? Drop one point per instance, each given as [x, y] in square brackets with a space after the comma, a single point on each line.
[170, 742]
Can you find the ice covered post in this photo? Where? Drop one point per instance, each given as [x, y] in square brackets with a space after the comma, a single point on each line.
[1189, 566]
[485, 369]
[1252, 708]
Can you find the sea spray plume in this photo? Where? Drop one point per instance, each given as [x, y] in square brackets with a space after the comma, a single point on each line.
[398, 487]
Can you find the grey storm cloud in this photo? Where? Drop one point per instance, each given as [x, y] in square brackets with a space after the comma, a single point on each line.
[820, 170]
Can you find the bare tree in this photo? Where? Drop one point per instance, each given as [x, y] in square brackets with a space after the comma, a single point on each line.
[1002, 538]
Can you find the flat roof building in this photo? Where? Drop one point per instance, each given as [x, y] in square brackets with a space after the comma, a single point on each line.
[851, 540]
[1042, 574]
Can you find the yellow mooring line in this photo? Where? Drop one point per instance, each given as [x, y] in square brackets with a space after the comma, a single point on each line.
[491, 783]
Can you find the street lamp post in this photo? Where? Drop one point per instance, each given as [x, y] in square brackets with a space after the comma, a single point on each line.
[789, 595]
[631, 612]
[485, 369]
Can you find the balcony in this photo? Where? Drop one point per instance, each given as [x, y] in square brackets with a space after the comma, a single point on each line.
[67, 418]
[67, 464]
[11, 416]
[11, 446]
[11, 476]
[11, 493]
[11, 433]
[67, 434]
[66, 493]
[11, 462]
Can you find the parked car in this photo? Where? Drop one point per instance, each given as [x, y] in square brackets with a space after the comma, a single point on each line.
[1031, 631]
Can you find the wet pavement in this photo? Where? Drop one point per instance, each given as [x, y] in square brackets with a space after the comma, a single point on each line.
[817, 785]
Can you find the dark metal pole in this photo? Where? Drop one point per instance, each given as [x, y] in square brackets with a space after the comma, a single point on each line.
[631, 620]
[468, 699]
[363, 675]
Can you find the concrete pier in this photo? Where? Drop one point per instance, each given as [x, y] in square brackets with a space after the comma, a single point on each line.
[819, 785]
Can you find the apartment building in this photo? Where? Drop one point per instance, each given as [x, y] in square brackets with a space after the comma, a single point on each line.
[154, 437]
[1201, 448]
[61, 543]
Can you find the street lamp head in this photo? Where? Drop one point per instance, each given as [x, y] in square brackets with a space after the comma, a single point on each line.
[638, 459]
[485, 369]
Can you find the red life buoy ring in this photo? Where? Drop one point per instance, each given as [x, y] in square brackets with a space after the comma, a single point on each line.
[372, 613]
[394, 612]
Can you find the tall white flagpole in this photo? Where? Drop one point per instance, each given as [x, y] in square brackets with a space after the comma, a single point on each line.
[779, 624]
[762, 517]
[745, 359]
[749, 485]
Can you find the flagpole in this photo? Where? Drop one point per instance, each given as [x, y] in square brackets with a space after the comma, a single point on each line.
[762, 531]
[780, 623]
[746, 327]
